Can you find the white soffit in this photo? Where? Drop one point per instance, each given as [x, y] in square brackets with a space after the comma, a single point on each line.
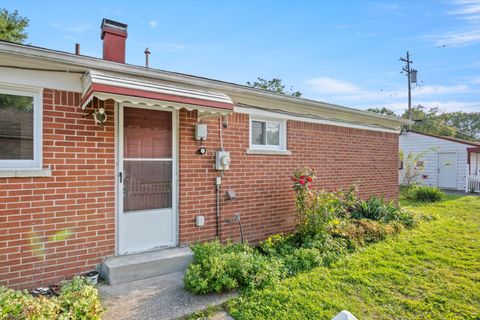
[58, 80]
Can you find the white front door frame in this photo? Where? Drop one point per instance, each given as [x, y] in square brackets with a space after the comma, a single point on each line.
[119, 107]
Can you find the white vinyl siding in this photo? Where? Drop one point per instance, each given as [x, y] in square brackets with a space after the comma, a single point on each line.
[414, 142]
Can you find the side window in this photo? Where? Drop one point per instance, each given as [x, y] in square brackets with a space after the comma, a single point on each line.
[267, 134]
[20, 128]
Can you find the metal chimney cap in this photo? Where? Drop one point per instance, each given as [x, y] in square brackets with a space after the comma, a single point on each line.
[114, 24]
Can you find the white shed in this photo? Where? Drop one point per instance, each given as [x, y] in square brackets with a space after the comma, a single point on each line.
[447, 162]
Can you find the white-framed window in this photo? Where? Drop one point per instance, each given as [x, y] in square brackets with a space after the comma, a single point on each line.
[20, 128]
[267, 134]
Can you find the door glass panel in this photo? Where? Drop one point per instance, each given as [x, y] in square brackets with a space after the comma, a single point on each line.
[147, 133]
[147, 185]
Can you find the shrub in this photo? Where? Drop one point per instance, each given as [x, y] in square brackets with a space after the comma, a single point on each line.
[78, 300]
[22, 305]
[278, 245]
[425, 194]
[218, 267]
[329, 225]
[376, 209]
[372, 208]
[302, 259]
[362, 232]
[316, 209]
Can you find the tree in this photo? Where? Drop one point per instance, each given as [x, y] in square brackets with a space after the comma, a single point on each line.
[12, 26]
[429, 121]
[274, 85]
[467, 123]
[383, 110]
[461, 125]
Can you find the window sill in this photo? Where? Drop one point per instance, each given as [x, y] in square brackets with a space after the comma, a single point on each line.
[270, 152]
[25, 173]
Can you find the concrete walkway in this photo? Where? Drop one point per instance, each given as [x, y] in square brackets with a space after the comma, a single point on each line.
[460, 192]
[161, 297]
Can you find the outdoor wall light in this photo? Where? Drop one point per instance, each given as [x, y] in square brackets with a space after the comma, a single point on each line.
[202, 150]
[100, 116]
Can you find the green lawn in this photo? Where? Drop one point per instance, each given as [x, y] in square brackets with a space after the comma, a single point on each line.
[430, 272]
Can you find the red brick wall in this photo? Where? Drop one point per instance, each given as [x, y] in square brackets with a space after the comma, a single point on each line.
[341, 157]
[79, 197]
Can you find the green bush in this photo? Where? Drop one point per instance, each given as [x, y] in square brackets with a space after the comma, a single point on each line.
[302, 259]
[425, 194]
[329, 225]
[376, 209]
[372, 208]
[364, 231]
[218, 267]
[78, 299]
[22, 305]
[278, 245]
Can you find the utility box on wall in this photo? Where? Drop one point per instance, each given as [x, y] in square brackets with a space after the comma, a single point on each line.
[201, 131]
[222, 160]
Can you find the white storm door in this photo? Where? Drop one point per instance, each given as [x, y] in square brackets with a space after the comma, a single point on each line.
[447, 170]
[147, 189]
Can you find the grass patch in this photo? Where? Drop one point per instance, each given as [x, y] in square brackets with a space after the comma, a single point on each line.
[430, 272]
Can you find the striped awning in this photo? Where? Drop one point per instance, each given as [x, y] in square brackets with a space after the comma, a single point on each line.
[106, 86]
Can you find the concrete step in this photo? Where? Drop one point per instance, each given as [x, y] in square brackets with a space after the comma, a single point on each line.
[122, 269]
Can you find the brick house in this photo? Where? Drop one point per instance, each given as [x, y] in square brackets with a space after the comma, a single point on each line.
[107, 159]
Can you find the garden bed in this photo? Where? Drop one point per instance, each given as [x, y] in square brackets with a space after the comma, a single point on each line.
[329, 226]
[430, 272]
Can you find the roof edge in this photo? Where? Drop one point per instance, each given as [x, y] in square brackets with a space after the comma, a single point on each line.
[87, 62]
[452, 139]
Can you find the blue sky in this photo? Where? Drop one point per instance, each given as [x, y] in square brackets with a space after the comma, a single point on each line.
[343, 52]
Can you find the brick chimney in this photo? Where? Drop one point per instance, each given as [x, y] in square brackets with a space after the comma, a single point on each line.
[114, 36]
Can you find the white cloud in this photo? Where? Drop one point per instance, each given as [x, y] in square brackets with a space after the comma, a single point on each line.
[180, 47]
[153, 23]
[351, 94]
[387, 8]
[467, 9]
[437, 90]
[330, 85]
[78, 29]
[464, 33]
[455, 38]
[348, 91]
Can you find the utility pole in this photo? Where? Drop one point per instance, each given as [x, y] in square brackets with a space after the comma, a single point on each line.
[411, 78]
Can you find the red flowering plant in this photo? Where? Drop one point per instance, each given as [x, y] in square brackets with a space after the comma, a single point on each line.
[302, 184]
[302, 179]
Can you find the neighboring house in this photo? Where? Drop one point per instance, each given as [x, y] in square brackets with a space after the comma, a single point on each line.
[449, 160]
[73, 192]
